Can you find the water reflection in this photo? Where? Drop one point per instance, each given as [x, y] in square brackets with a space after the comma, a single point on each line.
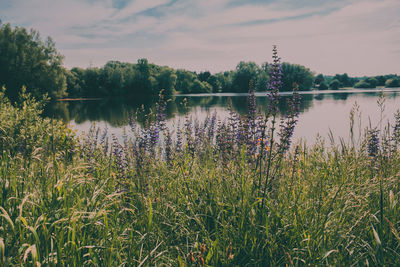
[117, 111]
[319, 112]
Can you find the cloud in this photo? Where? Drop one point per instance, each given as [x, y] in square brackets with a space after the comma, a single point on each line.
[138, 6]
[357, 37]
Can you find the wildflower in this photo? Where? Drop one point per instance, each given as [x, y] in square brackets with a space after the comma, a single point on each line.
[229, 254]
[191, 257]
[275, 82]
[168, 146]
[396, 129]
[289, 122]
[373, 142]
[201, 260]
[203, 248]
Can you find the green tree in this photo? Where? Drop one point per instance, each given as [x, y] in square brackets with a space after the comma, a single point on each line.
[335, 84]
[184, 81]
[226, 79]
[261, 81]
[393, 82]
[203, 76]
[323, 86]
[293, 73]
[245, 71]
[319, 79]
[215, 83]
[27, 60]
[362, 84]
[166, 79]
[372, 81]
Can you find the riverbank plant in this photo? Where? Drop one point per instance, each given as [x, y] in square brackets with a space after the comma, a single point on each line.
[209, 193]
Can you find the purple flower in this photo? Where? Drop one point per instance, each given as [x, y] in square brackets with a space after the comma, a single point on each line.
[373, 142]
[275, 82]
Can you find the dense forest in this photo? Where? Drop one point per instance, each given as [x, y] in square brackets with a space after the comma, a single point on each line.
[27, 60]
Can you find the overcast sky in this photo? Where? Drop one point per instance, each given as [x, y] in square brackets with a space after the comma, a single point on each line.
[359, 37]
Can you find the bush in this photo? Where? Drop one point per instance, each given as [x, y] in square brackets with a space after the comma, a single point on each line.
[22, 130]
[394, 82]
[335, 84]
[363, 84]
[323, 86]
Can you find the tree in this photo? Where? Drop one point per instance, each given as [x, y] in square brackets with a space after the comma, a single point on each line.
[394, 82]
[319, 79]
[345, 80]
[293, 73]
[334, 84]
[27, 60]
[362, 84]
[261, 81]
[166, 80]
[203, 76]
[323, 86]
[245, 71]
[372, 81]
[215, 83]
[381, 80]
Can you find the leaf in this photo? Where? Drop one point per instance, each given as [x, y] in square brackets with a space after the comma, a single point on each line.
[181, 264]
[32, 250]
[2, 251]
[394, 231]
[378, 240]
[150, 222]
[7, 217]
[329, 253]
[211, 251]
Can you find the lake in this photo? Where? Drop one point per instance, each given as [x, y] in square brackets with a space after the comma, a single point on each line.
[320, 111]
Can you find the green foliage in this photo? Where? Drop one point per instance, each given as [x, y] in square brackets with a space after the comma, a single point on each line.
[28, 61]
[293, 73]
[367, 83]
[334, 84]
[245, 72]
[344, 80]
[394, 82]
[23, 131]
[185, 81]
[319, 79]
[121, 79]
[323, 86]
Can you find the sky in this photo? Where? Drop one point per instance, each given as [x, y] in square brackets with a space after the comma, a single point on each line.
[358, 37]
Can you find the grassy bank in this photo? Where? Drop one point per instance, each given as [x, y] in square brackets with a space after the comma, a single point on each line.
[223, 193]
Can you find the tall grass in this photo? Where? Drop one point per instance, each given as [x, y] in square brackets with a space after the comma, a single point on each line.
[225, 193]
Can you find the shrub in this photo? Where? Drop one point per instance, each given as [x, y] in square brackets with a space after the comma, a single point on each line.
[394, 82]
[22, 130]
[363, 84]
[335, 84]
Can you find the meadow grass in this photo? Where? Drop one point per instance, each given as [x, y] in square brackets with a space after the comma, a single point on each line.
[221, 193]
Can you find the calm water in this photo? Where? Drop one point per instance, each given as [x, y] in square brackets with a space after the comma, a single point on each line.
[320, 111]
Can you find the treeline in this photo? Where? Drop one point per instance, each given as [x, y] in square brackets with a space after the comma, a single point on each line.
[338, 81]
[117, 78]
[26, 60]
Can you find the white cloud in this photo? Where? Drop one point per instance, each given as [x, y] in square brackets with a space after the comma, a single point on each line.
[138, 6]
[357, 37]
